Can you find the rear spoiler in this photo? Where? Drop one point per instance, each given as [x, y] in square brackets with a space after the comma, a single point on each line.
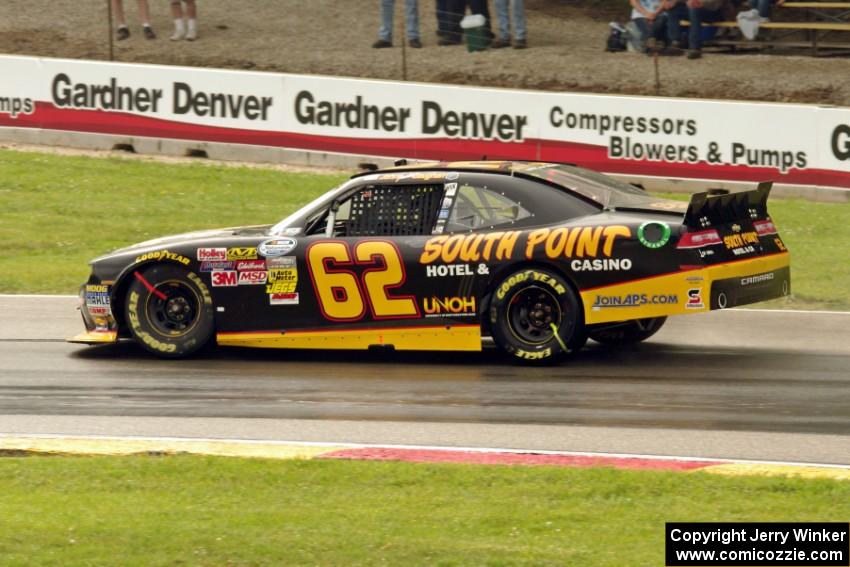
[706, 210]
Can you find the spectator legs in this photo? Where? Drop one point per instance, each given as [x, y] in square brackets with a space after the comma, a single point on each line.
[674, 28]
[763, 8]
[385, 32]
[411, 10]
[442, 17]
[504, 13]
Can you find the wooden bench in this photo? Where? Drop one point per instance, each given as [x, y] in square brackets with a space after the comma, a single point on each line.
[815, 39]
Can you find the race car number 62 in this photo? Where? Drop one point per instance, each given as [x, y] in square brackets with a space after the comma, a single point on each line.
[340, 292]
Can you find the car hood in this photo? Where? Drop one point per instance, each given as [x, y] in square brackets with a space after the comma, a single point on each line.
[185, 237]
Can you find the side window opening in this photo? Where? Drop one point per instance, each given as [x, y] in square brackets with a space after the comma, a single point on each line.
[389, 210]
[480, 207]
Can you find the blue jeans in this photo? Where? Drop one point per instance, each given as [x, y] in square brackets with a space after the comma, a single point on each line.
[673, 16]
[411, 11]
[443, 19]
[518, 9]
[697, 16]
[763, 8]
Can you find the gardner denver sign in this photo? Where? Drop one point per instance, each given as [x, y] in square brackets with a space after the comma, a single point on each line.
[802, 145]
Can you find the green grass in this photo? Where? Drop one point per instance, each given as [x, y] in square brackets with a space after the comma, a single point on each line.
[220, 511]
[58, 212]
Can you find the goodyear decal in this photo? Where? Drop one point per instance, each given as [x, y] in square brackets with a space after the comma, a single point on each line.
[163, 255]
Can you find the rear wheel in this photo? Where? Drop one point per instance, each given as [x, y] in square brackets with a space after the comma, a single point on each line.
[169, 311]
[536, 316]
[628, 332]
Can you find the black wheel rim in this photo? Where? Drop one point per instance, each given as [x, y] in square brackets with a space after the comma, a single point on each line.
[173, 308]
[532, 313]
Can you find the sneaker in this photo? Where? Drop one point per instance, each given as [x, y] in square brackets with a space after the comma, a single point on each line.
[191, 35]
[148, 31]
[414, 43]
[177, 35]
[520, 44]
[122, 33]
[500, 43]
[694, 53]
[651, 45]
[381, 43]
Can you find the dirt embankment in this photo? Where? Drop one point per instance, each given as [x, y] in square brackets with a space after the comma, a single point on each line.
[334, 38]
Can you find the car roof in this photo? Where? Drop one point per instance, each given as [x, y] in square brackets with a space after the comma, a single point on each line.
[483, 166]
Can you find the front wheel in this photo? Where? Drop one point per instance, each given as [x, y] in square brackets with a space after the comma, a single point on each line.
[628, 332]
[536, 316]
[169, 311]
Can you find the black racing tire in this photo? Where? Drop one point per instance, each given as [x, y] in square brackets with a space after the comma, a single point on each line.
[628, 332]
[169, 311]
[524, 307]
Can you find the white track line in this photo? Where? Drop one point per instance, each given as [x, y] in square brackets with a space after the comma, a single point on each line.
[745, 309]
[35, 296]
[423, 447]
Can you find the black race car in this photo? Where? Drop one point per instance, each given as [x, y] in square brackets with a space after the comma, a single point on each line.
[538, 256]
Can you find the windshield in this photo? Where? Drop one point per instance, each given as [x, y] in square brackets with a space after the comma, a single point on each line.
[602, 189]
[296, 219]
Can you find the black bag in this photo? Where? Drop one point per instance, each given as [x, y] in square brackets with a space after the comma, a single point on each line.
[616, 40]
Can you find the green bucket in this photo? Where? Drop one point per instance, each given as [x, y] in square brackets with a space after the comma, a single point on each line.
[475, 32]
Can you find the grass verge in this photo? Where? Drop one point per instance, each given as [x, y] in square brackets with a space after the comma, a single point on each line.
[58, 212]
[221, 511]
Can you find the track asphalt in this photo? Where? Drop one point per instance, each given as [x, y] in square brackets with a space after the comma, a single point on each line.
[740, 384]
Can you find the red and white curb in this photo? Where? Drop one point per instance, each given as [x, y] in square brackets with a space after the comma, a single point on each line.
[105, 445]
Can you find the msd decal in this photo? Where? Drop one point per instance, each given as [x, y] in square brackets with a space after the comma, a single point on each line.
[254, 277]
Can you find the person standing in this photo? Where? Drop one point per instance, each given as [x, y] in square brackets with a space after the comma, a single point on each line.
[189, 30]
[123, 32]
[443, 18]
[385, 32]
[504, 10]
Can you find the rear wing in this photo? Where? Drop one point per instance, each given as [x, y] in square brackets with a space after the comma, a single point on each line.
[706, 210]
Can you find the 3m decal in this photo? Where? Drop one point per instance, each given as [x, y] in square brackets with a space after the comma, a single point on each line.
[338, 287]
[253, 277]
[633, 300]
[654, 234]
[449, 306]
[277, 246]
[695, 299]
[163, 255]
[212, 254]
[249, 253]
[224, 278]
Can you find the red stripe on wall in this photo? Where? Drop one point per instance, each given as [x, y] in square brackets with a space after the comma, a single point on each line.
[499, 458]
[48, 116]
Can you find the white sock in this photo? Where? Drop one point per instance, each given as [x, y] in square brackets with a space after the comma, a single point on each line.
[178, 26]
[146, 25]
[192, 26]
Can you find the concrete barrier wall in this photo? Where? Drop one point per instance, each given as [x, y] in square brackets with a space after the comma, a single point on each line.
[675, 144]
